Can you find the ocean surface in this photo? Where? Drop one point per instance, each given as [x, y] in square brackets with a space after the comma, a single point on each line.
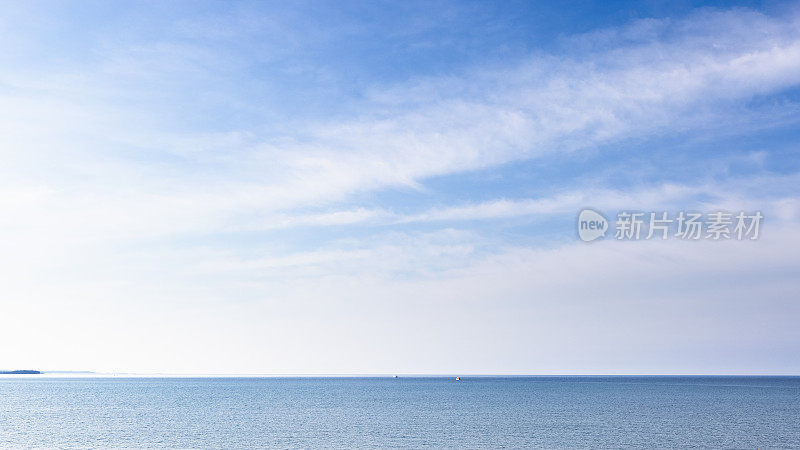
[477, 412]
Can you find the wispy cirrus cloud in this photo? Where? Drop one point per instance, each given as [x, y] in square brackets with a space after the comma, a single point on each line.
[764, 192]
[653, 76]
[182, 180]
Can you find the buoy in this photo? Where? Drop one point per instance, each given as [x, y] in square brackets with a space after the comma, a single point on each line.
[458, 378]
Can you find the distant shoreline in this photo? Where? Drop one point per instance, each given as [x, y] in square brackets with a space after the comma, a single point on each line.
[20, 372]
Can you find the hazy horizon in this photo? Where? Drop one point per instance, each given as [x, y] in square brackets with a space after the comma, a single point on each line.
[91, 374]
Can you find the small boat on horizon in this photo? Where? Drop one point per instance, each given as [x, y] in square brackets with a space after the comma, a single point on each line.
[458, 378]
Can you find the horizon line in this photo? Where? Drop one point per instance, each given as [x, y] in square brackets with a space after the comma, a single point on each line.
[93, 374]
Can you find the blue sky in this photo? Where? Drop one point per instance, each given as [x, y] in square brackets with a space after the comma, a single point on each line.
[378, 187]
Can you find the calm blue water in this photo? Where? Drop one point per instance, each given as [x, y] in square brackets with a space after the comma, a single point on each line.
[741, 412]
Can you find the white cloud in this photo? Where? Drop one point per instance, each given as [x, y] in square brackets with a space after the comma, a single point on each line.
[111, 202]
[689, 73]
[754, 192]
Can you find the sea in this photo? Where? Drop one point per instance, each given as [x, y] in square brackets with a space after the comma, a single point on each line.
[409, 412]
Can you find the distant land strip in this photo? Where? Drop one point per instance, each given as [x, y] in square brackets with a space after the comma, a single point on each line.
[19, 372]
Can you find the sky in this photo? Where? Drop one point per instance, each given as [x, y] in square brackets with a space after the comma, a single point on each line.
[322, 187]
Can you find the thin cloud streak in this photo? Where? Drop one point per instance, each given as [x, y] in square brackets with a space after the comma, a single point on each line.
[742, 193]
[676, 77]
